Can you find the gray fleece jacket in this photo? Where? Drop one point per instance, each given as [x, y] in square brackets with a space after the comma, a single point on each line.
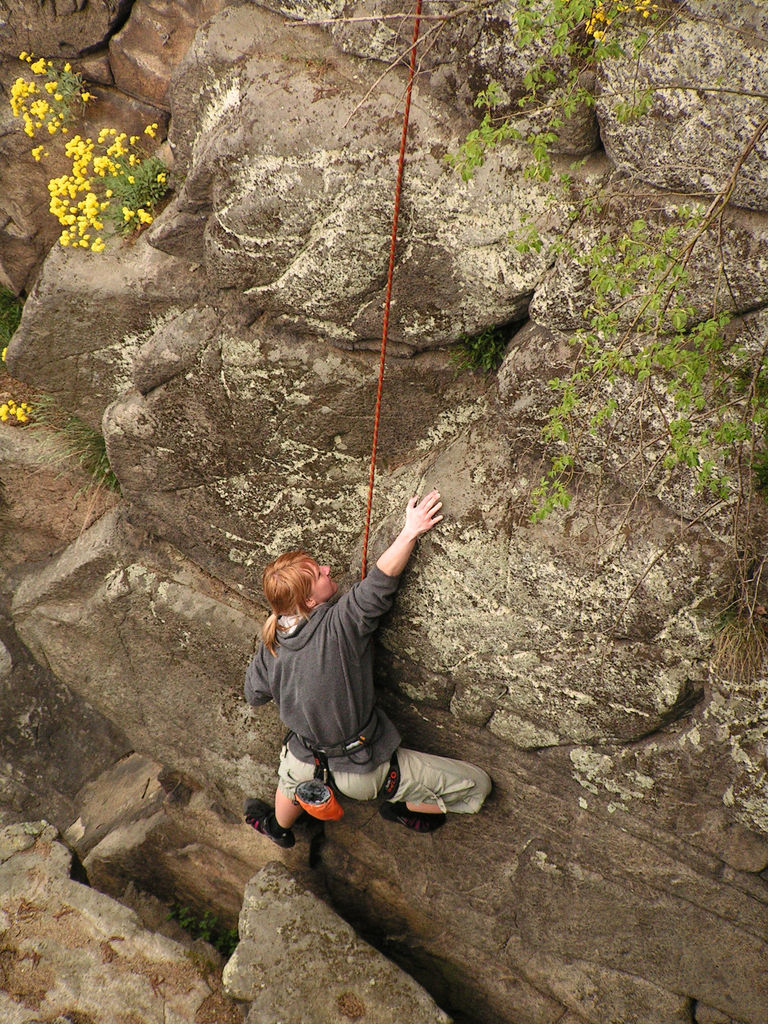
[321, 678]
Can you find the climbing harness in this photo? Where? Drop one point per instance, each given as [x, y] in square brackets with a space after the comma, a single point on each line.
[362, 740]
[317, 796]
[392, 782]
[390, 273]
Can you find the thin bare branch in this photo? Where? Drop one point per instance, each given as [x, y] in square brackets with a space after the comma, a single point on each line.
[658, 557]
[402, 58]
[398, 16]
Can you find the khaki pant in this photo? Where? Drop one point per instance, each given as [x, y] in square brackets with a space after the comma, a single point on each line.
[455, 786]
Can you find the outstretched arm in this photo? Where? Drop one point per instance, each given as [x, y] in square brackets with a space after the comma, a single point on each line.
[419, 518]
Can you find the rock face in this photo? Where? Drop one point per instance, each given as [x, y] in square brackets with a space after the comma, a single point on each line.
[139, 287]
[51, 739]
[62, 30]
[292, 466]
[151, 588]
[458, 56]
[152, 42]
[71, 953]
[618, 872]
[320, 190]
[333, 972]
[141, 824]
[708, 83]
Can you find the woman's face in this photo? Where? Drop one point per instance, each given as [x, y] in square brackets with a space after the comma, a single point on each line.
[324, 586]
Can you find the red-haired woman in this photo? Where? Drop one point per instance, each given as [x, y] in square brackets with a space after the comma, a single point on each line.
[316, 663]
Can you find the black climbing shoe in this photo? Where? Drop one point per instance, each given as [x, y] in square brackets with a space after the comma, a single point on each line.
[415, 820]
[261, 816]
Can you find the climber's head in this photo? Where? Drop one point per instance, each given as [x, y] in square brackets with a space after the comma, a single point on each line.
[294, 584]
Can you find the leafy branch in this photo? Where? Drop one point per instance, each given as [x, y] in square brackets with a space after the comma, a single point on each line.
[685, 388]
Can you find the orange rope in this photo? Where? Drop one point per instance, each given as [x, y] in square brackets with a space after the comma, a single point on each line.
[390, 273]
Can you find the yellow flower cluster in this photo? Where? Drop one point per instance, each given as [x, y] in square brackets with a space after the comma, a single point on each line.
[602, 16]
[46, 105]
[11, 412]
[75, 199]
[110, 178]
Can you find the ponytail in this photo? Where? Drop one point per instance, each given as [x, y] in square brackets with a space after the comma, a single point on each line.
[268, 631]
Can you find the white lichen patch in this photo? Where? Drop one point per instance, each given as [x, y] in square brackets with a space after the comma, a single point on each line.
[451, 422]
[525, 734]
[121, 357]
[221, 97]
[598, 772]
[691, 737]
[540, 860]
[739, 719]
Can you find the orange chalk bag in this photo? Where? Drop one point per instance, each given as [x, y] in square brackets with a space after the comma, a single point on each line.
[318, 798]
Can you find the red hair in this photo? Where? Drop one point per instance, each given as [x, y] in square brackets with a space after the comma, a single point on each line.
[287, 583]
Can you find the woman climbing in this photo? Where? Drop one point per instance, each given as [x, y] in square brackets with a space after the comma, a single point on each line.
[316, 663]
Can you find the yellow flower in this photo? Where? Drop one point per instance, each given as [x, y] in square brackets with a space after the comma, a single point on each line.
[2, 357]
[67, 66]
[150, 130]
[23, 55]
[98, 245]
[38, 67]
[109, 193]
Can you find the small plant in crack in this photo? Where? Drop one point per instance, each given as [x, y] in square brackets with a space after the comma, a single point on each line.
[68, 440]
[740, 649]
[484, 351]
[207, 927]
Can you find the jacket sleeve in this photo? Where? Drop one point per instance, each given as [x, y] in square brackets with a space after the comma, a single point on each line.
[257, 689]
[360, 609]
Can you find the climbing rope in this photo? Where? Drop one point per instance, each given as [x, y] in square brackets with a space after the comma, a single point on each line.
[390, 273]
